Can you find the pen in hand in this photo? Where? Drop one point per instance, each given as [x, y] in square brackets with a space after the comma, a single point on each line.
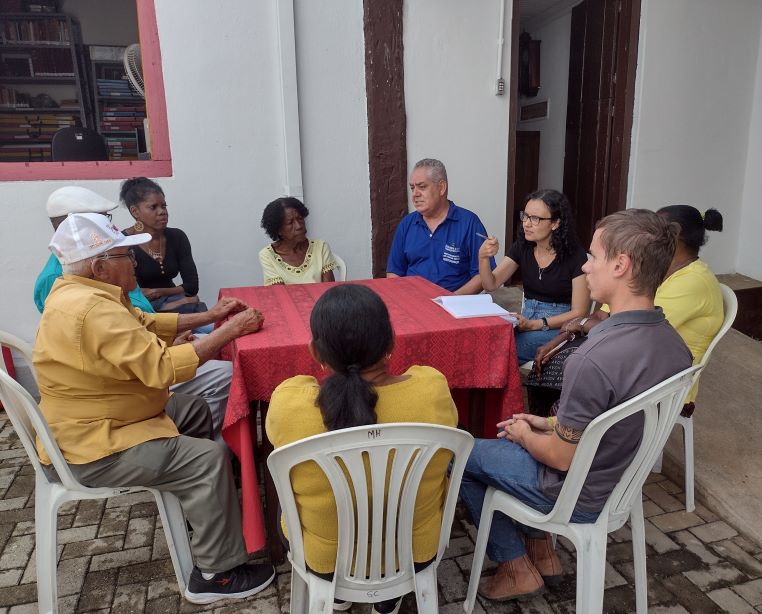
[478, 234]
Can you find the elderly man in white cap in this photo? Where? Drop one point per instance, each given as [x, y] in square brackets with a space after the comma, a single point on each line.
[212, 379]
[104, 369]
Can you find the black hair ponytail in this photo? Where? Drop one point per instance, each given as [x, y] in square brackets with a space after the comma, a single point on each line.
[351, 331]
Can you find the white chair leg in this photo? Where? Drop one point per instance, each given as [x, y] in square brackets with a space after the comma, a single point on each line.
[591, 571]
[426, 590]
[173, 521]
[657, 465]
[690, 503]
[320, 595]
[482, 537]
[48, 498]
[299, 594]
[637, 525]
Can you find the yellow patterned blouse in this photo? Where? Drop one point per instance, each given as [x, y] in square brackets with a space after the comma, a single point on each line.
[317, 260]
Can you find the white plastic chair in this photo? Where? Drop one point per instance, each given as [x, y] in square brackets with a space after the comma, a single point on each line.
[379, 538]
[29, 422]
[22, 347]
[340, 271]
[660, 405]
[730, 305]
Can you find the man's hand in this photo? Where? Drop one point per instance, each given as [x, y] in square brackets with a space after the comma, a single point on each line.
[185, 337]
[225, 307]
[514, 430]
[151, 293]
[246, 322]
[489, 248]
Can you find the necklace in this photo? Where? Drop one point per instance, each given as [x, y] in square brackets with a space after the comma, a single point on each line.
[541, 270]
[158, 256]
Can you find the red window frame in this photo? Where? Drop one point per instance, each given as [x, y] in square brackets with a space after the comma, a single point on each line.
[160, 164]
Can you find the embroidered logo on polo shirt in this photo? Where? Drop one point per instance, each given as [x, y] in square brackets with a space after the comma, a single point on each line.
[451, 253]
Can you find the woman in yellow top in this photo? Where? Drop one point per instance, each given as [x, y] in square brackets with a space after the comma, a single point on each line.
[292, 258]
[352, 338]
[690, 294]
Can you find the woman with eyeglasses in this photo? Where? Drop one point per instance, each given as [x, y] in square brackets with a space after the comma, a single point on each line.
[168, 253]
[550, 258]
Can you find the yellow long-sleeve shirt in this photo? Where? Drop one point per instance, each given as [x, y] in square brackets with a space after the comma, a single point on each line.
[104, 369]
[293, 415]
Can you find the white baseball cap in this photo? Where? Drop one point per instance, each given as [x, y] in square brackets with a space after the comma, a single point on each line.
[74, 199]
[84, 235]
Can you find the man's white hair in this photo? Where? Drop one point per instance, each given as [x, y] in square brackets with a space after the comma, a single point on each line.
[81, 267]
[437, 171]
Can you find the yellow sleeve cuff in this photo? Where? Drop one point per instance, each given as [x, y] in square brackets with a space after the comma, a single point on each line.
[184, 361]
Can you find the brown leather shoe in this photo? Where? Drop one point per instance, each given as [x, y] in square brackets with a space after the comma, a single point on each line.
[516, 579]
[544, 557]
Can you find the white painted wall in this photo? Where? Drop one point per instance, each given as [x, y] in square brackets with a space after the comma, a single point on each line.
[695, 90]
[452, 111]
[554, 78]
[749, 257]
[220, 75]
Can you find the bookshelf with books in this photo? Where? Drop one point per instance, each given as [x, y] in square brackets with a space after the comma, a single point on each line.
[119, 110]
[41, 81]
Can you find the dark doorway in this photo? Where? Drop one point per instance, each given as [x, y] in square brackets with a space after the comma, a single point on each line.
[602, 60]
[599, 113]
[527, 169]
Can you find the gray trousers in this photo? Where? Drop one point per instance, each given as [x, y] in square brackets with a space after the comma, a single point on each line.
[212, 382]
[193, 468]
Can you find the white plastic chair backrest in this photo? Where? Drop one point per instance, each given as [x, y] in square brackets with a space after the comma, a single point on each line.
[340, 271]
[20, 346]
[28, 421]
[660, 405]
[730, 307]
[400, 450]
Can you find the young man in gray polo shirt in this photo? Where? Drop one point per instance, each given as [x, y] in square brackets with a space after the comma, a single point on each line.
[633, 350]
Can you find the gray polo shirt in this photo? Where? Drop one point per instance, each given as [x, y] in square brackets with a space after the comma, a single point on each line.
[624, 355]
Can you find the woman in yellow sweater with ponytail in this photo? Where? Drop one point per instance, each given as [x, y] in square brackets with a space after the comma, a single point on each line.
[352, 338]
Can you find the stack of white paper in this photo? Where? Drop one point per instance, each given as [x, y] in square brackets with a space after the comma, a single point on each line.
[473, 306]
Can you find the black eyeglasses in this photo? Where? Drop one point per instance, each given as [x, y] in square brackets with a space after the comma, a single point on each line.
[534, 220]
[129, 255]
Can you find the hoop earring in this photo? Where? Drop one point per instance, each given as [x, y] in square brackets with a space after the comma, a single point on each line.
[138, 226]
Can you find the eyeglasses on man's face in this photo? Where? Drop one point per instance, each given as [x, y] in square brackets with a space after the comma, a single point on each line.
[129, 255]
[534, 220]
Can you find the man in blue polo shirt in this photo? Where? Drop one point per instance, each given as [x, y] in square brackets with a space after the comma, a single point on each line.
[439, 240]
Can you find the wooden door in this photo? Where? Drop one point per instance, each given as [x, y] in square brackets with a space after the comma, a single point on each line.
[527, 171]
[602, 59]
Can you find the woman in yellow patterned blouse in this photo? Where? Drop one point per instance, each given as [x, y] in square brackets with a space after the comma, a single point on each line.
[352, 338]
[292, 258]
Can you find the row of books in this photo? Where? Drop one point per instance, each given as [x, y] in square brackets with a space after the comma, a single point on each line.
[122, 148]
[121, 118]
[47, 62]
[26, 152]
[38, 31]
[115, 87]
[13, 99]
[33, 127]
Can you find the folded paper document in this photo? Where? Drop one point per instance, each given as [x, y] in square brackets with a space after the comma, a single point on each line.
[473, 306]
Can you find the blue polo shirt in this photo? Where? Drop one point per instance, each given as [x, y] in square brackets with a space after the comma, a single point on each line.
[53, 270]
[448, 257]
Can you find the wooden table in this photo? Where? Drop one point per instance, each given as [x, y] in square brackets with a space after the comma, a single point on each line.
[476, 353]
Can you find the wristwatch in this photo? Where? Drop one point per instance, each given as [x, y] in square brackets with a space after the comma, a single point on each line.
[545, 324]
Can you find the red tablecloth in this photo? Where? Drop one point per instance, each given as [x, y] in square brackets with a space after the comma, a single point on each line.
[471, 353]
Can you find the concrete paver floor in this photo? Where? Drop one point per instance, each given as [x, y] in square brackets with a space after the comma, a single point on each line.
[113, 558]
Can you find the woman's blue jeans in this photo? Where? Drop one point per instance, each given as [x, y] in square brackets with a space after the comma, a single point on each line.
[527, 342]
[508, 467]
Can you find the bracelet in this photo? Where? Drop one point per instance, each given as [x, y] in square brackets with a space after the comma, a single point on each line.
[582, 323]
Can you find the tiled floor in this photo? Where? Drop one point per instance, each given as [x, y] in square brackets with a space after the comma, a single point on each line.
[113, 558]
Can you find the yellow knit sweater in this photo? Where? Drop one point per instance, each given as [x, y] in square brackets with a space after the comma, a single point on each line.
[293, 415]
